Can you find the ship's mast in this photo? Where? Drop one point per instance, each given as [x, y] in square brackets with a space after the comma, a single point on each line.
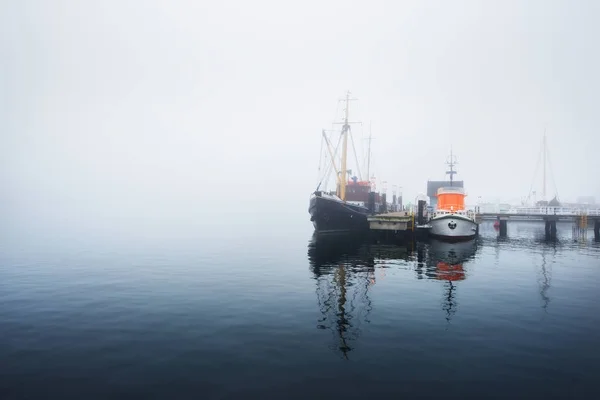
[451, 163]
[343, 169]
[369, 154]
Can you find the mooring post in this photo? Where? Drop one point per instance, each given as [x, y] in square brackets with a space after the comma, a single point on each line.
[597, 229]
[372, 202]
[421, 206]
[503, 227]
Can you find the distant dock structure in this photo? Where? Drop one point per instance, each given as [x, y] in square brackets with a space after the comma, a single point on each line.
[581, 218]
[415, 223]
[550, 212]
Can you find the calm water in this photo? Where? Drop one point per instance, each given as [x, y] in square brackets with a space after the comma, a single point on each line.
[282, 315]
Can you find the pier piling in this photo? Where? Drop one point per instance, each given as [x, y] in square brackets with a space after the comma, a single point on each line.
[597, 229]
[503, 227]
[550, 227]
[421, 212]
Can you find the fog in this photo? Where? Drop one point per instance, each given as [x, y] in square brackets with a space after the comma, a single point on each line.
[130, 116]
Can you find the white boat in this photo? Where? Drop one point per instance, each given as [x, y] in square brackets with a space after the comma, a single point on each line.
[450, 219]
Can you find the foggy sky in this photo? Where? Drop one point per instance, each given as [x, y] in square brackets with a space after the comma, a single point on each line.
[173, 112]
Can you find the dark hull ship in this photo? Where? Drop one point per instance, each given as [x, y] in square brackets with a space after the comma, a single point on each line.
[329, 213]
[346, 209]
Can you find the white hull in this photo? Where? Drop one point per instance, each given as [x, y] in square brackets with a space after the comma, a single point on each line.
[451, 252]
[453, 226]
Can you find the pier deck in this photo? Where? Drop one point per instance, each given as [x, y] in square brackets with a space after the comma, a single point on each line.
[393, 221]
[549, 215]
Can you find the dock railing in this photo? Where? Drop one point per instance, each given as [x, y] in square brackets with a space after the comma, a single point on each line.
[533, 211]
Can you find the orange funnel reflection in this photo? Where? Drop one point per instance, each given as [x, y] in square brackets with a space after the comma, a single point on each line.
[449, 272]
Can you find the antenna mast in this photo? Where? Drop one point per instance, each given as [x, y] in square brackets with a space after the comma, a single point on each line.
[369, 154]
[451, 163]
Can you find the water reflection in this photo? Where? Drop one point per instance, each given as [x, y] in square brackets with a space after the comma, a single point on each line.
[344, 270]
[543, 249]
[544, 282]
[545, 273]
[347, 267]
[446, 261]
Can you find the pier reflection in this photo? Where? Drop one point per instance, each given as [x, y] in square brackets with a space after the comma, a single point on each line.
[346, 268]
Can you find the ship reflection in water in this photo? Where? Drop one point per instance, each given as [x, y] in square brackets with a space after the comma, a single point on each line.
[347, 267]
[446, 262]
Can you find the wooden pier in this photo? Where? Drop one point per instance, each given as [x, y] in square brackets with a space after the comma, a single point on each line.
[399, 224]
[409, 223]
[394, 221]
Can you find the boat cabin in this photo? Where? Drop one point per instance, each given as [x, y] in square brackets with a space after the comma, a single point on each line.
[358, 191]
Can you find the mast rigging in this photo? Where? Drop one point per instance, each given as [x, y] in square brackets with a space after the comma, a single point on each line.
[544, 167]
[544, 157]
[451, 163]
[369, 153]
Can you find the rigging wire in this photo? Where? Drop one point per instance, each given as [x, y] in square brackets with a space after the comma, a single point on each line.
[328, 171]
[320, 159]
[366, 154]
[537, 166]
[552, 174]
[323, 159]
[355, 155]
[373, 165]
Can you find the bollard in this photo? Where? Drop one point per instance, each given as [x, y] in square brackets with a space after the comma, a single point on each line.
[371, 202]
[421, 212]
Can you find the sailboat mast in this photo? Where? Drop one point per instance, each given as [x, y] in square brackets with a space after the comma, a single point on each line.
[544, 167]
[369, 154]
[343, 168]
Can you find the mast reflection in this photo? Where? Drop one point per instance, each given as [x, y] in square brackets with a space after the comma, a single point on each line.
[346, 268]
[544, 281]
